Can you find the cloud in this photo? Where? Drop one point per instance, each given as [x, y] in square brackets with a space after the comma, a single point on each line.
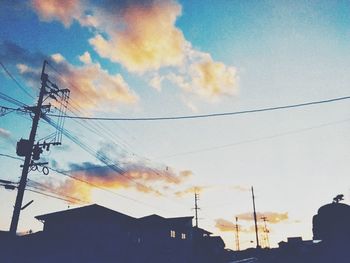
[135, 176]
[148, 40]
[240, 188]
[11, 53]
[64, 11]
[190, 190]
[251, 229]
[203, 76]
[143, 36]
[225, 225]
[156, 82]
[5, 134]
[92, 88]
[272, 217]
[86, 58]
[211, 78]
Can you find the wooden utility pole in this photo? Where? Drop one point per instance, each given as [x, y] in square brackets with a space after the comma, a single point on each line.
[28, 149]
[255, 221]
[28, 155]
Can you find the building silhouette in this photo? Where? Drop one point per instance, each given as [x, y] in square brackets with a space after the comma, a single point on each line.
[97, 234]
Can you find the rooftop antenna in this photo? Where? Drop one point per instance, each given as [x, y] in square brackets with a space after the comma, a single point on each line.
[266, 231]
[196, 208]
[237, 235]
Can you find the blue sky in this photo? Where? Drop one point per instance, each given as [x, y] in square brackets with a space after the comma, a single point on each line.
[189, 57]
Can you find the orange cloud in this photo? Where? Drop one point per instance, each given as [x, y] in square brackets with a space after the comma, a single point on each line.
[228, 226]
[133, 176]
[64, 11]
[190, 190]
[211, 78]
[148, 41]
[251, 229]
[92, 87]
[225, 225]
[142, 36]
[205, 77]
[272, 217]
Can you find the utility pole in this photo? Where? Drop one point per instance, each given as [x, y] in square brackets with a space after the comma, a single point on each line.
[267, 241]
[237, 235]
[196, 208]
[28, 148]
[255, 220]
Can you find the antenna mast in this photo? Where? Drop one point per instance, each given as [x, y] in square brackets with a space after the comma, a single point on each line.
[196, 208]
[266, 231]
[237, 235]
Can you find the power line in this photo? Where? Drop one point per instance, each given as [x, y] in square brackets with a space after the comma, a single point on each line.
[49, 195]
[104, 159]
[10, 156]
[223, 146]
[106, 189]
[44, 187]
[15, 80]
[91, 184]
[11, 100]
[211, 115]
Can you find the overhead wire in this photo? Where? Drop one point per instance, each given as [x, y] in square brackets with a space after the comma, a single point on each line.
[106, 161]
[210, 115]
[15, 80]
[10, 156]
[49, 195]
[100, 157]
[68, 174]
[219, 147]
[11, 100]
[43, 187]
[104, 188]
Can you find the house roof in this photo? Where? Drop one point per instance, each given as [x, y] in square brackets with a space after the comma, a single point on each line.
[99, 213]
[157, 219]
[81, 212]
[202, 231]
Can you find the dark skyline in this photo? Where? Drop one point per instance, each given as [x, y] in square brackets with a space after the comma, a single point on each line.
[131, 59]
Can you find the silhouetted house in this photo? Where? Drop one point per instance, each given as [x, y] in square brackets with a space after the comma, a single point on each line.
[87, 234]
[295, 243]
[332, 223]
[331, 226]
[97, 234]
[162, 239]
[208, 248]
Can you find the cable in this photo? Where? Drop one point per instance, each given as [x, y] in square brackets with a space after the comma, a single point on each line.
[102, 188]
[253, 140]
[48, 195]
[10, 156]
[11, 100]
[104, 159]
[208, 115]
[15, 80]
[91, 184]
[43, 187]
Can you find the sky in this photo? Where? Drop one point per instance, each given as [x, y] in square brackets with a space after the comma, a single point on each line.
[151, 58]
